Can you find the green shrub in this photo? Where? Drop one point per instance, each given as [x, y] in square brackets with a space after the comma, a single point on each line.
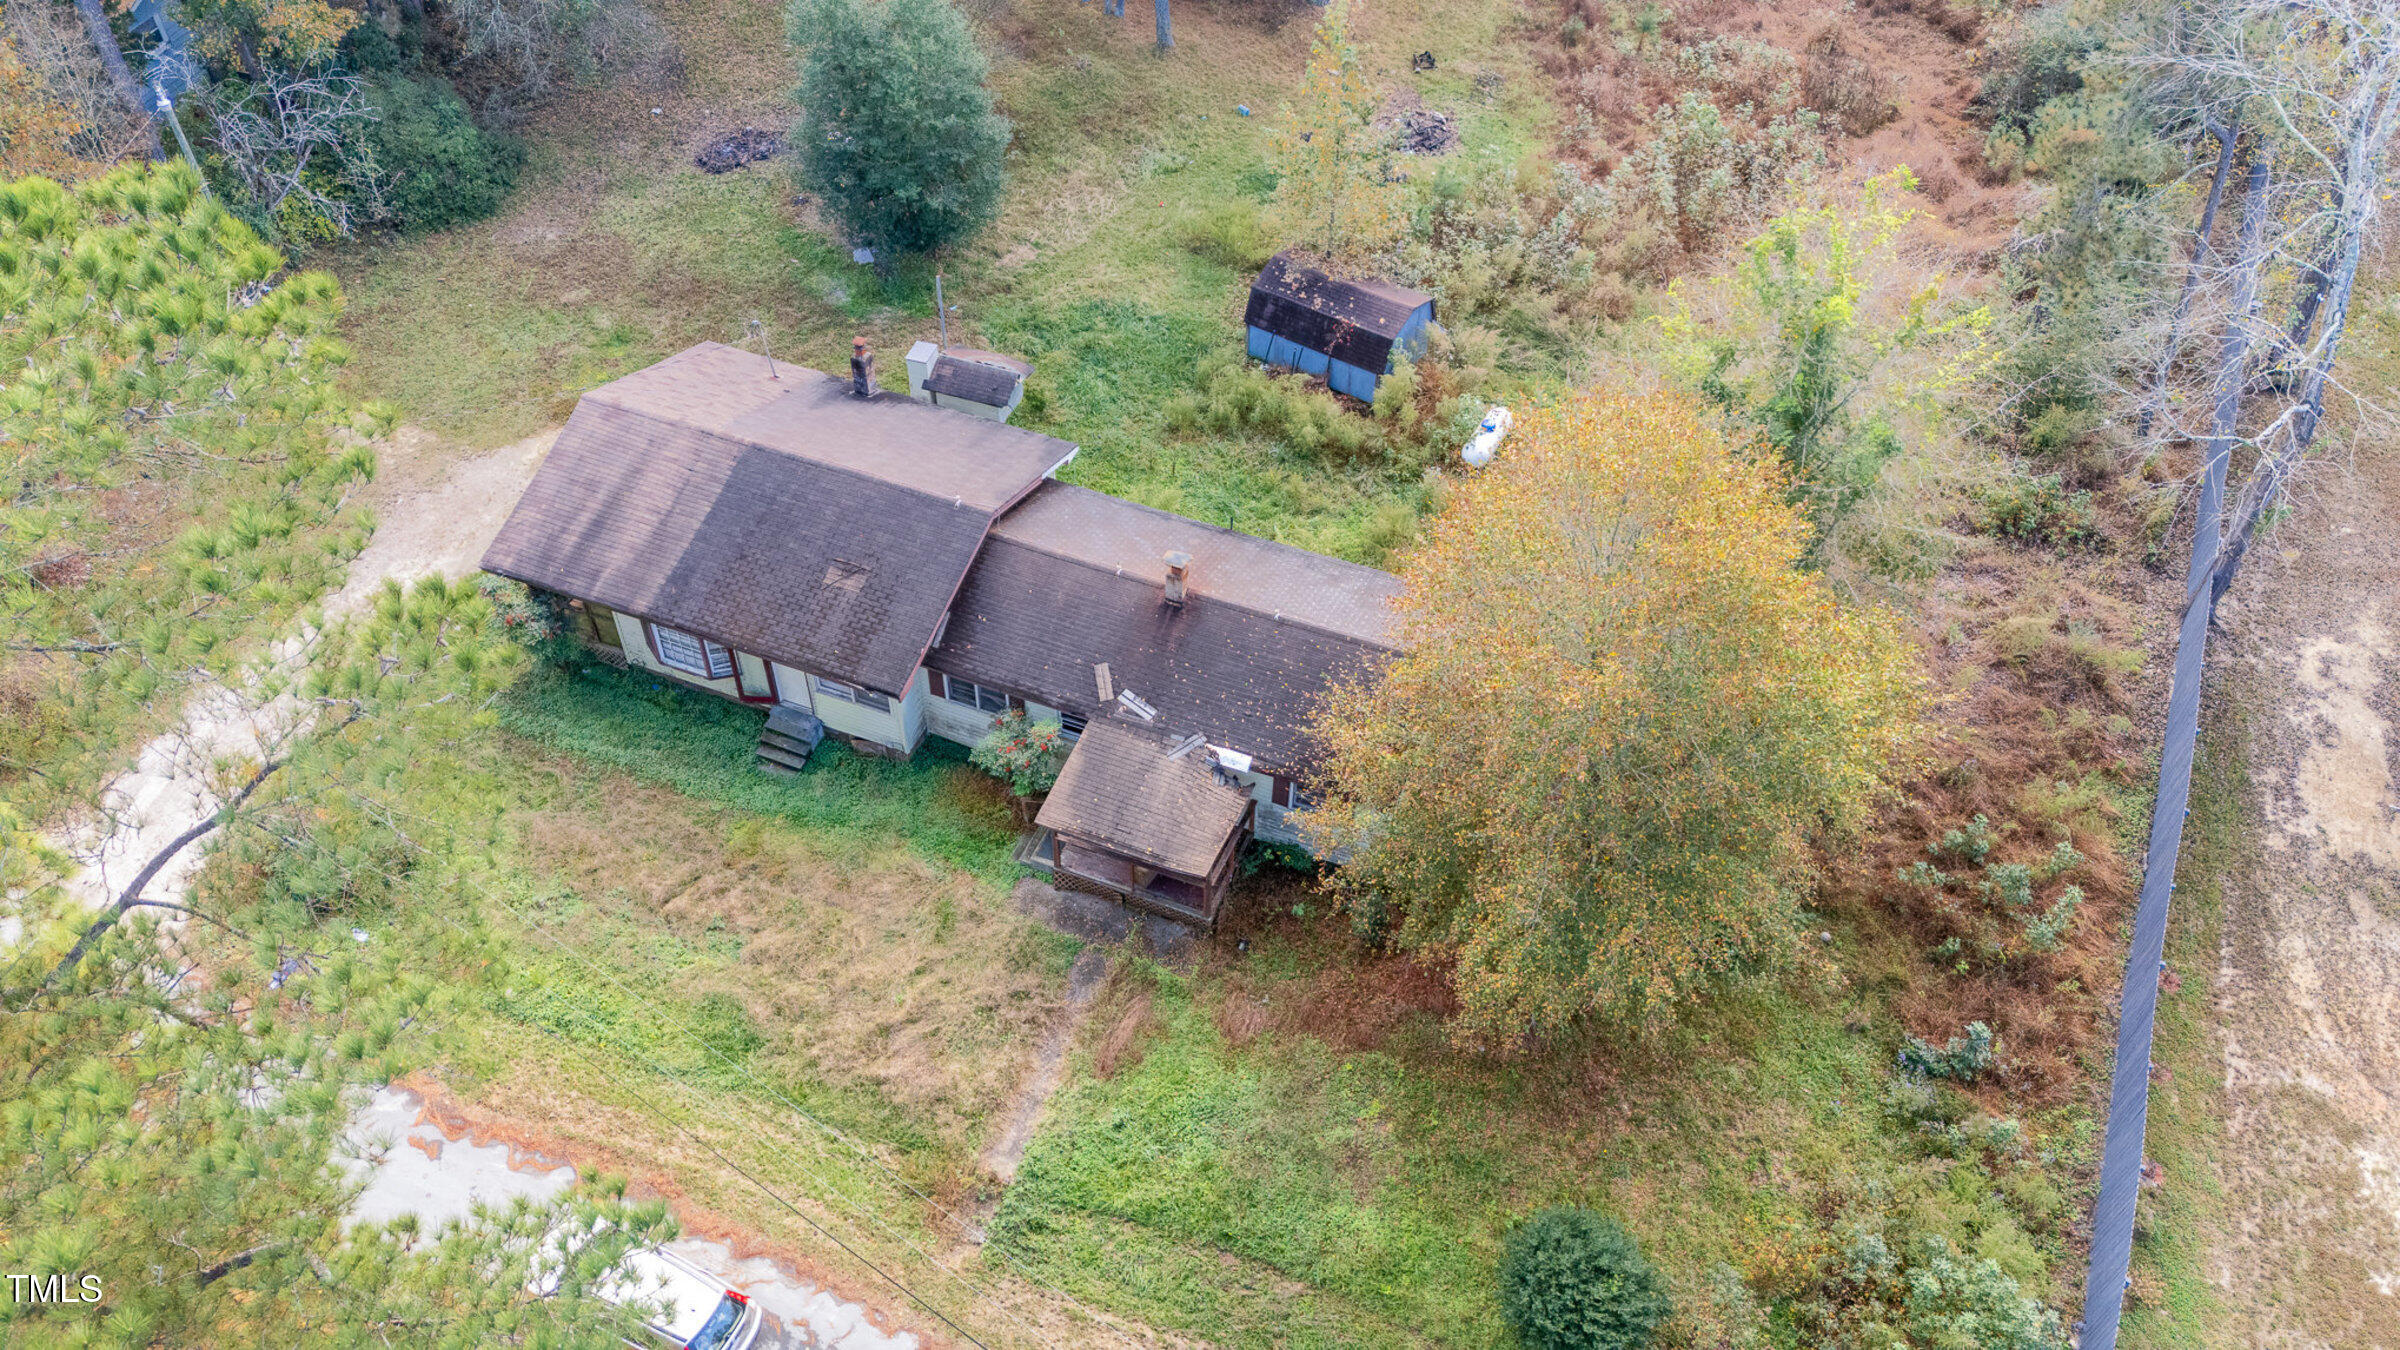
[2042, 61]
[1971, 844]
[1953, 1300]
[2010, 883]
[1022, 753]
[1229, 233]
[1965, 1057]
[2059, 429]
[2037, 509]
[1576, 1280]
[534, 620]
[440, 168]
[897, 133]
[2044, 931]
[367, 48]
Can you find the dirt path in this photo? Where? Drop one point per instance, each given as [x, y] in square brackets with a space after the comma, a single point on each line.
[2308, 992]
[1007, 1149]
[431, 518]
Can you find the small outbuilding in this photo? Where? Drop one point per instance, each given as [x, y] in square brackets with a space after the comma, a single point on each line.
[963, 379]
[1305, 318]
[1139, 814]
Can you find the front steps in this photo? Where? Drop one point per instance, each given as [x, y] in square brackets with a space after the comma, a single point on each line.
[789, 738]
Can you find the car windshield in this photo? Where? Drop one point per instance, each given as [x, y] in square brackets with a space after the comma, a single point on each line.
[720, 1325]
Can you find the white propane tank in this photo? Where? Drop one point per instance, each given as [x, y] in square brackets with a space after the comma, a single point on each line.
[1486, 440]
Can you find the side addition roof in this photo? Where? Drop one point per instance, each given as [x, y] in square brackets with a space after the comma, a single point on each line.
[1354, 322]
[975, 381]
[772, 513]
[1073, 578]
[1120, 790]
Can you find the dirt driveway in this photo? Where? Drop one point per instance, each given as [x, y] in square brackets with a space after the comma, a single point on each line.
[2308, 991]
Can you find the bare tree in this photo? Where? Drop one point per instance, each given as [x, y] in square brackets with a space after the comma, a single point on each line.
[292, 136]
[2318, 86]
[58, 49]
[2324, 81]
[120, 75]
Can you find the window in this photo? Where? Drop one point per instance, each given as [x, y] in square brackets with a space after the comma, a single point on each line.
[974, 696]
[1070, 723]
[692, 655]
[851, 693]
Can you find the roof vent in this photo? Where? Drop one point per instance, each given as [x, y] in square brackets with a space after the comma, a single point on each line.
[1179, 567]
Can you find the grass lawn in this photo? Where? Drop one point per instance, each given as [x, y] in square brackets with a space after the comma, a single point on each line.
[1275, 1148]
[1298, 1158]
[2176, 1302]
[615, 251]
[776, 1001]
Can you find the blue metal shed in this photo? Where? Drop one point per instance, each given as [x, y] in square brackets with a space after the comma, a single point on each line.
[1305, 318]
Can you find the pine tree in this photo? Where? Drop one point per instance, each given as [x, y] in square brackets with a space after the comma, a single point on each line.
[1335, 192]
[897, 132]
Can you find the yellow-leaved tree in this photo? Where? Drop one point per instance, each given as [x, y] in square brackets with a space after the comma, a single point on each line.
[1622, 707]
[1334, 190]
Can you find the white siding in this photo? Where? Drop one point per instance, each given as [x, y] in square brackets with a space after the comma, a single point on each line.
[637, 650]
[912, 710]
[955, 721]
[890, 728]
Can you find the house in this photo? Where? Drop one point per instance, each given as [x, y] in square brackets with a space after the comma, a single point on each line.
[888, 569]
[1300, 316]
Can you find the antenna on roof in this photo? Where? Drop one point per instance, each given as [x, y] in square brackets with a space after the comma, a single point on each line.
[941, 312]
[759, 330]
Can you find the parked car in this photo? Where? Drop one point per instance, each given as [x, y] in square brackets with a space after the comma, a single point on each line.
[702, 1313]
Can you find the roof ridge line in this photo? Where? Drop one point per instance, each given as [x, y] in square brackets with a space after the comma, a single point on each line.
[1276, 616]
[956, 499]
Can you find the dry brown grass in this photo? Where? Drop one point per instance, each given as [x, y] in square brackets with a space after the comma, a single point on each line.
[2043, 661]
[1846, 87]
[1242, 1017]
[882, 972]
[1127, 1039]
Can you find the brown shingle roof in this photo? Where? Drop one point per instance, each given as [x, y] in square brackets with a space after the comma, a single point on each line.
[1353, 321]
[776, 516]
[976, 381]
[1071, 578]
[1120, 790]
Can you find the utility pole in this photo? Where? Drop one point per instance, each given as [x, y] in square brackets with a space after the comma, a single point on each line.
[166, 114]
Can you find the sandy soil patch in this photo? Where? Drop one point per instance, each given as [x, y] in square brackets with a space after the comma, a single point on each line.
[2309, 986]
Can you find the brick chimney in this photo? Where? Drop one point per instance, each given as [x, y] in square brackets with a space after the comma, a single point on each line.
[862, 369]
[1179, 566]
